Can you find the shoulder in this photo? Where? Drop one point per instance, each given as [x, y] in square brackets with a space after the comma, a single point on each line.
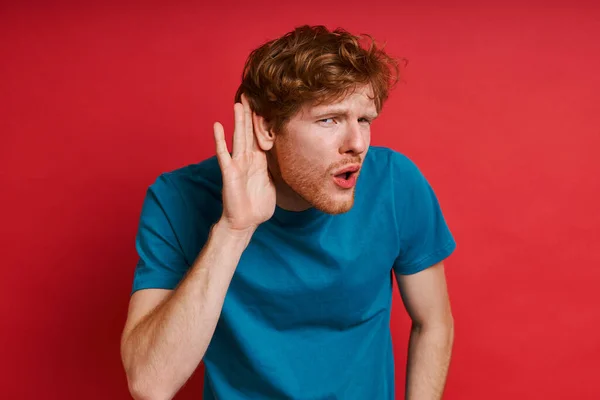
[184, 203]
[384, 163]
[397, 176]
[188, 193]
[191, 181]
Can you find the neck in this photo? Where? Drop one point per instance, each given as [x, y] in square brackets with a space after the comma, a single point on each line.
[288, 199]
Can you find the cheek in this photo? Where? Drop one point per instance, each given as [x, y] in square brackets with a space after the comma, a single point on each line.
[306, 166]
[304, 159]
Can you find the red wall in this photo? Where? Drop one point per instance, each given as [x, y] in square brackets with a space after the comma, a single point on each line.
[500, 109]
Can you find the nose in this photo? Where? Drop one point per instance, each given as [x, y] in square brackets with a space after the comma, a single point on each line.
[356, 139]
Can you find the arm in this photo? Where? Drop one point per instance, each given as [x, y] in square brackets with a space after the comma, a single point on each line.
[425, 298]
[168, 332]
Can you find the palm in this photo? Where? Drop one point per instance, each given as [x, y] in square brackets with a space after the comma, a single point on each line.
[248, 192]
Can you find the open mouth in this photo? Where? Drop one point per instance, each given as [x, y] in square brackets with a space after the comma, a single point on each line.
[347, 179]
[345, 175]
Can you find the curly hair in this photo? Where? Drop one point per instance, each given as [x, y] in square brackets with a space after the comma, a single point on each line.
[313, 65]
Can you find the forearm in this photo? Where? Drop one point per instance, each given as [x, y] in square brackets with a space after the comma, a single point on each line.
[165, 348]
[429, 356]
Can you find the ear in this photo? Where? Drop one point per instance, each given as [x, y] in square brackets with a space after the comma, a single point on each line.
[264, 136]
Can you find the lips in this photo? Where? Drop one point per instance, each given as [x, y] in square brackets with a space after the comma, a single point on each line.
[347, 170]
[346, 177]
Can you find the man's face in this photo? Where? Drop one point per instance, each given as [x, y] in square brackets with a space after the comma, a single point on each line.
[317, 144]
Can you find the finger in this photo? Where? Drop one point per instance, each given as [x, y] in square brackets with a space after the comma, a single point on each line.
[239, 134]
[249, 131]
[221, 146]
[254, 143]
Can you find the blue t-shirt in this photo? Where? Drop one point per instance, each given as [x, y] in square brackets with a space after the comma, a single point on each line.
[307, 314]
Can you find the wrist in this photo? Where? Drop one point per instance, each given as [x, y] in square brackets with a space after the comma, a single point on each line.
[222, 228]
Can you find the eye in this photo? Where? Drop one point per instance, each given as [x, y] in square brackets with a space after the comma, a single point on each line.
[324, 120]
[365, 121]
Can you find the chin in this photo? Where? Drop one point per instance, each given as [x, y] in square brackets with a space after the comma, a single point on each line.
[323, 194]
[334, 203]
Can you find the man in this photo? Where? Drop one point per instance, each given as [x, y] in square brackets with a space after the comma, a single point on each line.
[273, 264]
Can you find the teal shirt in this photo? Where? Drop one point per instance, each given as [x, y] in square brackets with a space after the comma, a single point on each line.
[307, 314]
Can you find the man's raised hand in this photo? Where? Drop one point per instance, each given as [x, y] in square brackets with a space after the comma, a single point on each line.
[248, 191]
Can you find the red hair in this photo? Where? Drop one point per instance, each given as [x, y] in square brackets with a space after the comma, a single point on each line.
[313, 65]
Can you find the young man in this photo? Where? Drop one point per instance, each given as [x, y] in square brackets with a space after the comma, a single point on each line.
[273, 264]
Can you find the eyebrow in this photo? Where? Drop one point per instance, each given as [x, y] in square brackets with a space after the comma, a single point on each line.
[340, 111]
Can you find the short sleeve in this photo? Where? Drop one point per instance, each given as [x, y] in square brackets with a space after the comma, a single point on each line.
[161, 263]
[424, 236]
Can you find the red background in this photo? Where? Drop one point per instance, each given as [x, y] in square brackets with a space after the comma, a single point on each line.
[500, 109]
